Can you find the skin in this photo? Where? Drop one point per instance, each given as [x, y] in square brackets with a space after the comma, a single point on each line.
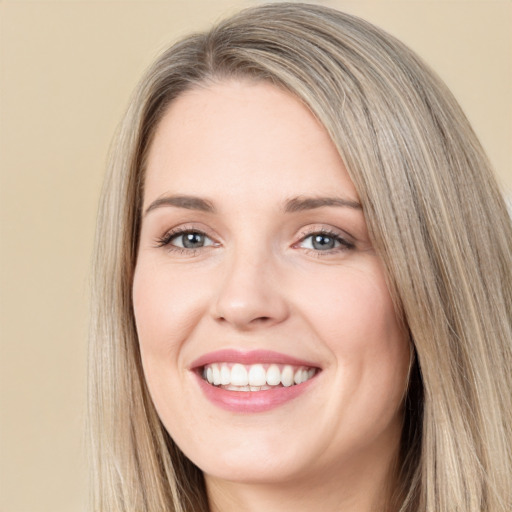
[259, 283]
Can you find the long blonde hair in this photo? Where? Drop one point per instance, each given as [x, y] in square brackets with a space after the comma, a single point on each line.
[436, 218]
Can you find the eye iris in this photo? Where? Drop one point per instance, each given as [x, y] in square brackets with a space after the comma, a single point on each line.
[323, 242]
[192, 240]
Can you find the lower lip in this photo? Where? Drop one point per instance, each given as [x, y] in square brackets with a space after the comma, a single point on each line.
[251, 401]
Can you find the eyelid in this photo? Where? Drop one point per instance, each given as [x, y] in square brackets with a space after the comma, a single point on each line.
[346, 241]
[182, 229]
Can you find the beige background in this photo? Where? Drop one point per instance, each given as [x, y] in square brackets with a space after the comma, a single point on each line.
[67, 69]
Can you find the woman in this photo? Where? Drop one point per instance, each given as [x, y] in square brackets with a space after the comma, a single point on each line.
[303, 282]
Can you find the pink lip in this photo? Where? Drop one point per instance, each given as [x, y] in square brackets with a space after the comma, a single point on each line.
[249, 401]
[248, 357]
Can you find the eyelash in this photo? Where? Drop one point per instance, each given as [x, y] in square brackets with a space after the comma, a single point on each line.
[344, 244]
[166, 239]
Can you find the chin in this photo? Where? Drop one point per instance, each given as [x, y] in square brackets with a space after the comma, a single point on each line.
[263, 471]
[247, 461]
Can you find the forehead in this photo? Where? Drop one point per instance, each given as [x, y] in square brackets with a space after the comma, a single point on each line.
[244, 137]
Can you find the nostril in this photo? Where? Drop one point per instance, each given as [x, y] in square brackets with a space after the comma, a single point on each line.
[260, 319]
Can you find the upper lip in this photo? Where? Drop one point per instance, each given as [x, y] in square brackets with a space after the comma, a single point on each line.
[249, 357]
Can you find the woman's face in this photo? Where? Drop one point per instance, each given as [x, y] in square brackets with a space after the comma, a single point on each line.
[268, 336]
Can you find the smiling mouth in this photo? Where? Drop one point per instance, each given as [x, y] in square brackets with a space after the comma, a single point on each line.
[255, 377]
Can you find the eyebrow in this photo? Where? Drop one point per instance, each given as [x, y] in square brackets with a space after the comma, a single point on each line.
[299, 204]
[187, 202]
[296, 204]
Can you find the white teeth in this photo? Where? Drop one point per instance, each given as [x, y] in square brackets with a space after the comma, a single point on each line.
[256, 377]
[273, 375]
[231, 387]
[239, 375]
[287, 376]
[225, 375]
[216, 374]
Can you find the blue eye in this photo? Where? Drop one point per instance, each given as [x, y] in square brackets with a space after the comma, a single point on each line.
[190, 240]
[186, 240]
[324, 241]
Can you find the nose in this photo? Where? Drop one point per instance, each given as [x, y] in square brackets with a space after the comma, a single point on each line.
[250, 294]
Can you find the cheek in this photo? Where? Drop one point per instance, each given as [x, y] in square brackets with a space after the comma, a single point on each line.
[352, 307]
[167, 306]
[353, 314]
